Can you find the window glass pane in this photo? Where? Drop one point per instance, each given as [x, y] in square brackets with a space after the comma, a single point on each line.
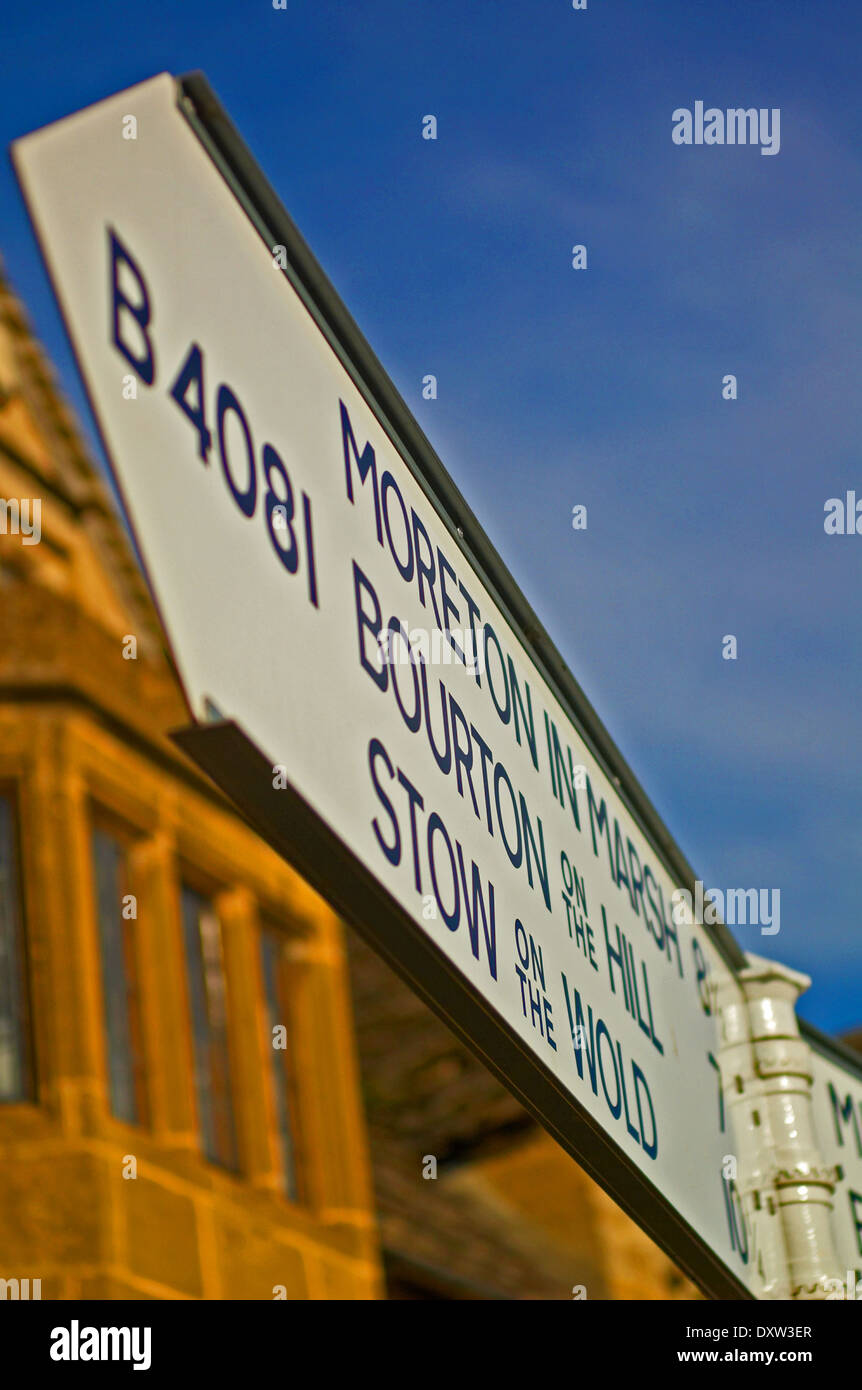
[16, 1081]
[208, 1006]
[283, 1078]
[119, 981]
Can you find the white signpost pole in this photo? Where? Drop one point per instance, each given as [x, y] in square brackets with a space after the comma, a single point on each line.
[391, 714]
[767, 1084]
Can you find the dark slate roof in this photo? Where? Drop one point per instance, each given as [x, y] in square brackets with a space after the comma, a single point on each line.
[425, 1094]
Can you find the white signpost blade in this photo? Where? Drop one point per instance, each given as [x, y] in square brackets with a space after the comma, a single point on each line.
[299, 537]
[837, 1097]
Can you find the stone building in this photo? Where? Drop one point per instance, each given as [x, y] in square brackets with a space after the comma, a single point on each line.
[205, 1090]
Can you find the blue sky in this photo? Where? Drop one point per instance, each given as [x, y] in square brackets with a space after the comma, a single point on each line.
[600, 387]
